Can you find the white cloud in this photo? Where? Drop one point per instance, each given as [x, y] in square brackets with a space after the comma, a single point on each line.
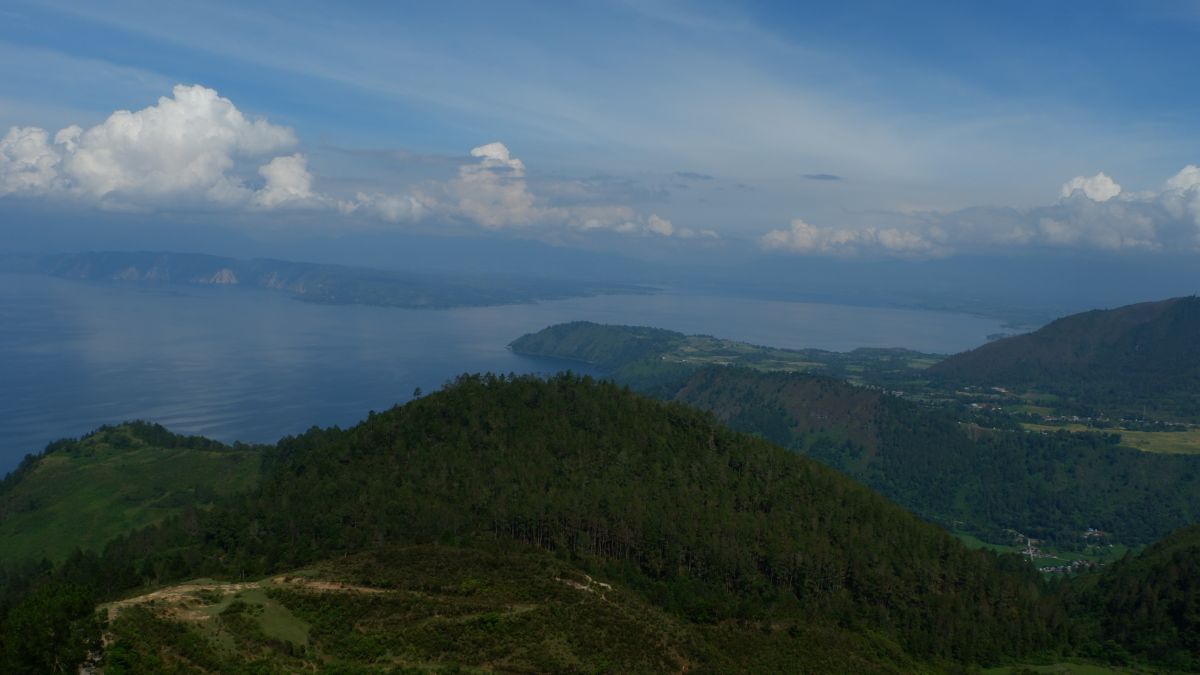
[1182, 196]
[184, 147]
[196, 147]
[1098, 188]
[1092, 213]
[493, 192]
[660, 225]
[288, 182]
[802, 237]
[496, 155]
[405, 208]
[28, 165]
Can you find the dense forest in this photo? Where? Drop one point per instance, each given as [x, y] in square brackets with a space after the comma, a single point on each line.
[1050, 486]
[709, 525]
[931, 459]
[1134, 361]
[359, 547]
[1148, 604]
[323, 283]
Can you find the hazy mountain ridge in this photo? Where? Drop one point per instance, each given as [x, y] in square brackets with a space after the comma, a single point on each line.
[1133, 360]
[324, 283]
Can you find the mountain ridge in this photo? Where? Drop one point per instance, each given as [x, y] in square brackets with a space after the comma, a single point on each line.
[1132, 360]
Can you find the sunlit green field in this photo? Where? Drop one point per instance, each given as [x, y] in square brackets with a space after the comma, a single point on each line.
[1166, 442]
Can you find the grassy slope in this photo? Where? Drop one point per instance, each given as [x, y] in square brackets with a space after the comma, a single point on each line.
[83, 493]
[1165, 442]
[437, 607]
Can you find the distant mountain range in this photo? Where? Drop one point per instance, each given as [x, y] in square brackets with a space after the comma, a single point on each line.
[332, 284]
[1138, 360]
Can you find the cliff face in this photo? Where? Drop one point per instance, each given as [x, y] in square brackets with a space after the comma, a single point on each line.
[222, 277]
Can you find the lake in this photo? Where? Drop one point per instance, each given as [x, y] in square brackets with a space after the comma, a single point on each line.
[254, 365]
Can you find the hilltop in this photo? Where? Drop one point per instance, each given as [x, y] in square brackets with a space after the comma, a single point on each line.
[81, 493]
[742, 543]
[1138, 360]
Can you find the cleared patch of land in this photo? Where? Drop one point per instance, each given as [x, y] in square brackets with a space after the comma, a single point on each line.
[1166, 442]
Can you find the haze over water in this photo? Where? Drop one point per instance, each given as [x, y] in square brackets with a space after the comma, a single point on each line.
[255, 366]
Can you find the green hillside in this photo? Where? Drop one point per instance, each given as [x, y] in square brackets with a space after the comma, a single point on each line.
[1134, 360]
[1148, 605]
[933, 460]
[1051, 486]
[423, 608]
[652, 358]
[744, 544]
[83, 493]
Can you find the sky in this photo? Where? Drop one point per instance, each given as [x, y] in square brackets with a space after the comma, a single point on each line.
[853, 130]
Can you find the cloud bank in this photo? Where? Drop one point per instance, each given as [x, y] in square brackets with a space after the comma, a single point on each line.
[196, 148]
[1092, 212]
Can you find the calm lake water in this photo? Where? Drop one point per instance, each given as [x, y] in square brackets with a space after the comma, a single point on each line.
[255, 366]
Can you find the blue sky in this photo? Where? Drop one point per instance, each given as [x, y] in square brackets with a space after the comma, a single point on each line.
[833, 129]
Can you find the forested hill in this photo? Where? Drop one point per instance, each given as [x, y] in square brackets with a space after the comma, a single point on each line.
[708, 524]
[1128, 361]
[1149, 604]
[1050, 486]
[989, 482]
[334, 284]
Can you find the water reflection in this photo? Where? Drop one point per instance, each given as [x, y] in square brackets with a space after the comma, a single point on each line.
[253, 365]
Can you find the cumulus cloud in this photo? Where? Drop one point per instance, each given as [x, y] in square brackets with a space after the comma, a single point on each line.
[196, 147]
[1099, 188]
[184, 147]
[1092, 212]
[493, 191]
[288, 182]
[28, 164]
